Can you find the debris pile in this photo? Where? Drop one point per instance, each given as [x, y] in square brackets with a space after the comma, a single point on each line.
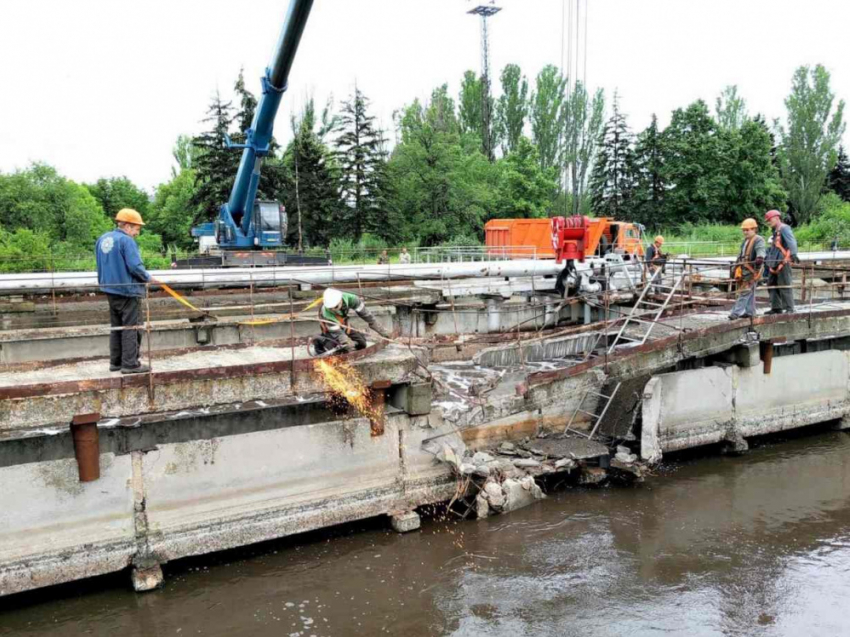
[504, 479]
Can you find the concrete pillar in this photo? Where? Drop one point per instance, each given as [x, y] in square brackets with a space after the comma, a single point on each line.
[588, 316]
[494, 316]
[574, 311]
[550, 318]
[405, 522]
[147, 579]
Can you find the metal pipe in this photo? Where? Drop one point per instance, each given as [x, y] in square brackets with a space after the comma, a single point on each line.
[86, 446]
[767, 356]
[34, 283]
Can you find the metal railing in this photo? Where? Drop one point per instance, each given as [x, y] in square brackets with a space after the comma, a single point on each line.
[466, 254]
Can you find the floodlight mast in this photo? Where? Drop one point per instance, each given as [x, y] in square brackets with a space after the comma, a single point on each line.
[486, 11]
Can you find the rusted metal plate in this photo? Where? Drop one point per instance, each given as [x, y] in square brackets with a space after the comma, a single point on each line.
[660, 344]
[144, 380]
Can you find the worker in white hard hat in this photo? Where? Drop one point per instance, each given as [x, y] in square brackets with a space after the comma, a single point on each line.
[337, 334]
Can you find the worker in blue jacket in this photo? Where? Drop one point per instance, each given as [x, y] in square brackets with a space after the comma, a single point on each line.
[122, 277]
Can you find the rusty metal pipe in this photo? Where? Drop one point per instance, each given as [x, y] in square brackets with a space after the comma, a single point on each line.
[86, 446]
[766, 350]
[377, 419]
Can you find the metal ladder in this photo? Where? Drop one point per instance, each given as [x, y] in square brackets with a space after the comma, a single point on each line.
[636, 317]
[596, 419]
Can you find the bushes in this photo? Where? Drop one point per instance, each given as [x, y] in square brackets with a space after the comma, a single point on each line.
[833, 222]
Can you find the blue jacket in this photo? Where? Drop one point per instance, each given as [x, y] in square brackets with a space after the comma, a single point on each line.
[119, 265]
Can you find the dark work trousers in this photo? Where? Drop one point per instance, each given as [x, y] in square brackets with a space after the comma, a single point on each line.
[124, 311]
[781, 299]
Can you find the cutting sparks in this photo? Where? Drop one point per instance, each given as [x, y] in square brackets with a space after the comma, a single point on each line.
[342, 380]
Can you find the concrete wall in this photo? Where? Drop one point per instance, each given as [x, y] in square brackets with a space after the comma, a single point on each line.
[704, 406]
[199, 496]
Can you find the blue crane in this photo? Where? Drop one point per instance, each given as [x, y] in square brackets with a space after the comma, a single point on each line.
[246, 225]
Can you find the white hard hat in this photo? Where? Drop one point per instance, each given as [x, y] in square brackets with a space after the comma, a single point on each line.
[332, 298]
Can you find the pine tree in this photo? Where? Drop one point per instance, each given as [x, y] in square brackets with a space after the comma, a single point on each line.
[311, 188]
[215, 165]
[839, 177]
[361, 158]
[648, 176]
[271, 177]
[247, 106]
[611, 181]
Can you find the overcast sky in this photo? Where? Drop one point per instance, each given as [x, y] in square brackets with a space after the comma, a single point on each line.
[103, 88]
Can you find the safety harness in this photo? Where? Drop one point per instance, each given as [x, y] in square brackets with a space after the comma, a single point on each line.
[746, 259]
[786, 255]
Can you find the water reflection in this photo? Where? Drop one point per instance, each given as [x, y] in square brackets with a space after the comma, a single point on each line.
[758, 545]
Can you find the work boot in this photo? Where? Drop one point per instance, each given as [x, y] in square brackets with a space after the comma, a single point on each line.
[114, 368]
[771, 312]
[140, 369]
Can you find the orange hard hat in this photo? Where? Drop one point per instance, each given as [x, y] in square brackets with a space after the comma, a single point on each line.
[659, 239]
[128, 215]
[749, 224]
[770, 214]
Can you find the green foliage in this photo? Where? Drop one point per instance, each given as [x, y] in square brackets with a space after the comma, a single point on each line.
[362, 160]
[24, 251]
[39, 199]
[731, 109]
[116, 193]
[839, 177]
[547, 115]
[512, 109]
[310, 182]
[583, 122]
[753, 182]
[84, 220]
[471, 105]
[694, 165]
[809, 147]
[462, 241]
[173, 212]
[525, 190]
[648, 176]
[832, 223]
[444, 184]
[215, 164]
[612, 180]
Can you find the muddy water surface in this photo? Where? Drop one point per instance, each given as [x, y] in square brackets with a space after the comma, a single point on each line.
[758, 545]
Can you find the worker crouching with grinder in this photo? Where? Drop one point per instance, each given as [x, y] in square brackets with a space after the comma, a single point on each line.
[337, 335]
[747, 270]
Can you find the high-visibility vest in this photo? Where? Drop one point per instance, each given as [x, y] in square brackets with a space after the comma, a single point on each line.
[323, 322]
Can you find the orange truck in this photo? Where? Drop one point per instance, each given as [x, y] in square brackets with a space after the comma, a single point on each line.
[559, 238]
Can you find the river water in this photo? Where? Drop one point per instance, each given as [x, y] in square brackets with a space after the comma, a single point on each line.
[710, 545]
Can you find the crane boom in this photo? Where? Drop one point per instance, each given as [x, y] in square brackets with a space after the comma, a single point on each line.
[260, 134]
[243, 222]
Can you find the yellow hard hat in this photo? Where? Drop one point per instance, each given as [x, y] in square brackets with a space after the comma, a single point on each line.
[749, 224]
[128, 215]
[659, 239]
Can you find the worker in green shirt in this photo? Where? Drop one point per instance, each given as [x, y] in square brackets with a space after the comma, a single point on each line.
[337, 334]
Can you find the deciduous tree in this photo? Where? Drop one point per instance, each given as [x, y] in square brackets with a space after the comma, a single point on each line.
[809, 140]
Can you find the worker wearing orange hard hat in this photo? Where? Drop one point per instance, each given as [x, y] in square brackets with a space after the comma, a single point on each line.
[780, 257]
[747, 270]
[122, 277]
